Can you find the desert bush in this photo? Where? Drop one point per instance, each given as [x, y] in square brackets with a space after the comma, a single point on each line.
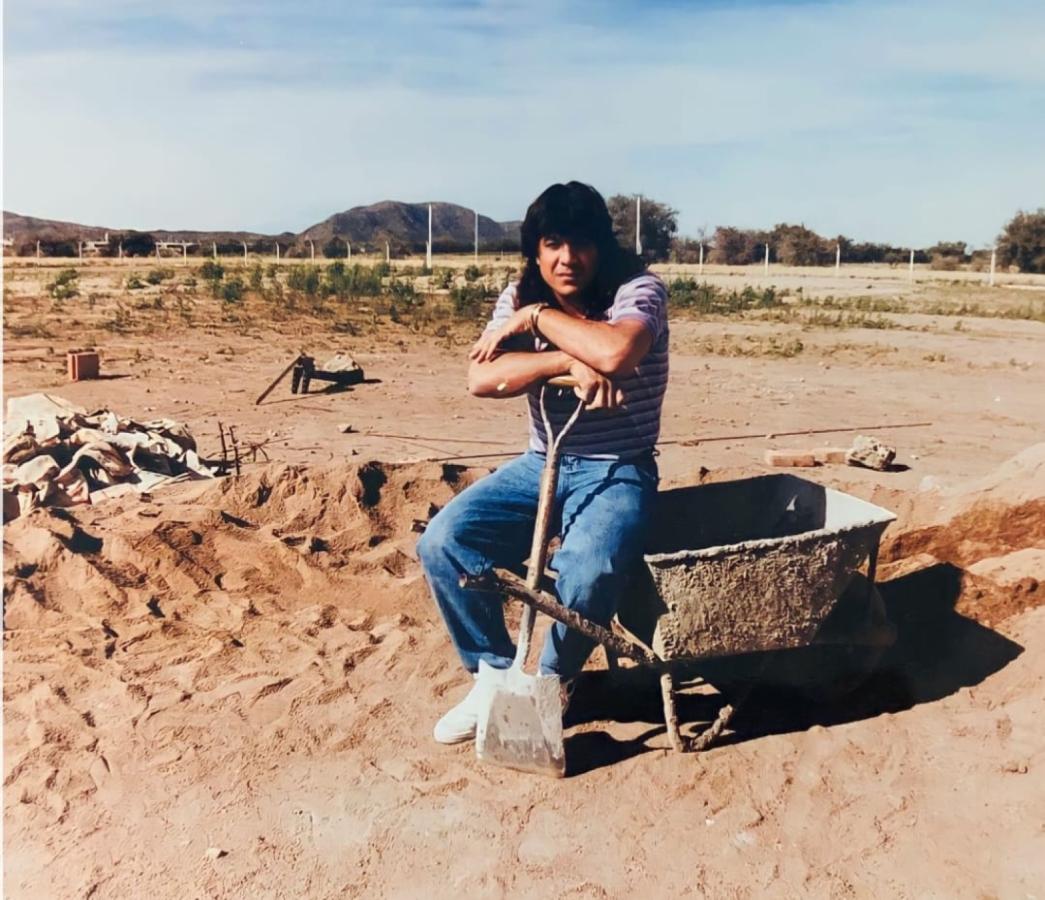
[158, 276]
[404, 292]
[305, 279]
[685, 293]
[65, 285]
[345, 281]
[134, 283]
[383, 269]
[212, 270]
[233, 289]
[472, 273]
[467, 300]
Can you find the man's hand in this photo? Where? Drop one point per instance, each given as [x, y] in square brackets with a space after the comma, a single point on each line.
[594, 388]
[485, 348]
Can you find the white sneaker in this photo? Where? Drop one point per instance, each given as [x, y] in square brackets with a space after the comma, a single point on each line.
[459, 723]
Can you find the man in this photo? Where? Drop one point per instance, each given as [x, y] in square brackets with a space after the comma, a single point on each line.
[585, 307]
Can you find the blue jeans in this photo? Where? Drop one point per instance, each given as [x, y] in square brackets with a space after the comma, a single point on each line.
[601, 510]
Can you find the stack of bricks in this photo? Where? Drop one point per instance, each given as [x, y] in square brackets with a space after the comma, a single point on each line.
[83, 364]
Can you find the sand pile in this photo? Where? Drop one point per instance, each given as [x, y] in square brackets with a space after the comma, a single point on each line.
[992, 529]
[229, 689]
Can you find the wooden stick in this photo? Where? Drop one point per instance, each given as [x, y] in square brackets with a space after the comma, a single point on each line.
[224, 450]
[279, 378]
[235, 448]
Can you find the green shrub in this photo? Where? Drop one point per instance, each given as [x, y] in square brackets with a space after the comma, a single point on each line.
[212, 270]
[468, 299]
[158, 276]
[232, 291]
[305, 279]
[404, 292]
[383, 269]
[134, 283]
[444, 278]
[472, 273]
[345, 281]
[65, 285]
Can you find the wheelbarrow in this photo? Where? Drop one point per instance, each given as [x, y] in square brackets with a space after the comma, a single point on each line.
[739, 578]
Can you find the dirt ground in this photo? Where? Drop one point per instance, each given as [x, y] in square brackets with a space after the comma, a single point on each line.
[227, 688]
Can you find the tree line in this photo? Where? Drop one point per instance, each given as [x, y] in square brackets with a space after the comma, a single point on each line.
[1021, 243]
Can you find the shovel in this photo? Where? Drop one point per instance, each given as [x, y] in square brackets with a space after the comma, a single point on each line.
[520, 720]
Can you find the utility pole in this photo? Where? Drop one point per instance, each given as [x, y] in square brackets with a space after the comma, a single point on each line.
[638, 226]
[312, 249]
[244, 251]
[388, 253]
[910, 266]
[38, 249]
[476, 236]
[119, 250]
[428, 246]
[157, 249]
[994, 259]
[214, 248]
[838, 258]
[766, 268]
[79, 250]
[700, 266]
[277, 251]
[349, 245]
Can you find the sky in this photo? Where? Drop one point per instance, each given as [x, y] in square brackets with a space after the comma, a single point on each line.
[904, 122]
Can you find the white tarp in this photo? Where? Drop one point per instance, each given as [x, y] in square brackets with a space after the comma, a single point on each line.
[57, 454]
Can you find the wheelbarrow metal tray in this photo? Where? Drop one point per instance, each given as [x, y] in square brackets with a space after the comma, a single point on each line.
[748, 566]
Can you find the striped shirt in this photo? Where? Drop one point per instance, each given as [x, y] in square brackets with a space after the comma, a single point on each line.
[604, 433]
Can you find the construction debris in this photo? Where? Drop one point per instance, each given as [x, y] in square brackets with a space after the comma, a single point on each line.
[57, 454]
[865, 451]
[830, 455]
[870, 453]
[789, 458]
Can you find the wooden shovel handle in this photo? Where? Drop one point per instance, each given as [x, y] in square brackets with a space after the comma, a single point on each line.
[563, 381]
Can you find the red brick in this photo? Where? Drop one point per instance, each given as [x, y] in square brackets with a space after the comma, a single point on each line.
[801, 458]
[83, 365]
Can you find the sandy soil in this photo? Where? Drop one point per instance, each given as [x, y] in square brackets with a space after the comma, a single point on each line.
[228, 688]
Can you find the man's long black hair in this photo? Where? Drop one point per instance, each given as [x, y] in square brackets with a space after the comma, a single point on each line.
[575, 212]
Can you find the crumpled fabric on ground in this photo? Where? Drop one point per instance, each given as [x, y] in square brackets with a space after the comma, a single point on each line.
[57, 454]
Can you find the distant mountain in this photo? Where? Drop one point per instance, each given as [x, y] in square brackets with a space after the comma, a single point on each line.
[22, 228]
[403, 225]
[406, 225]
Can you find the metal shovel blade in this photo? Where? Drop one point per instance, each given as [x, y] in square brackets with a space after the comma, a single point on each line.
[520, 721]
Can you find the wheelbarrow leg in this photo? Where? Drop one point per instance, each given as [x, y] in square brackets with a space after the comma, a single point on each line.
[671, 718]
